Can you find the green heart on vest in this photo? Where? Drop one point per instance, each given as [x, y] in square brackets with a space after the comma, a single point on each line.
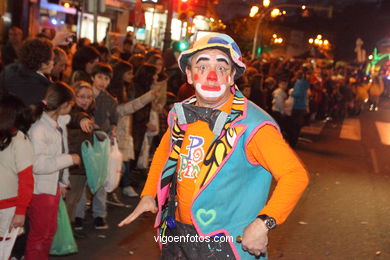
[206, 217]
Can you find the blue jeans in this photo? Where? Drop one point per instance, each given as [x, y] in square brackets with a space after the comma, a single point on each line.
[99, 207]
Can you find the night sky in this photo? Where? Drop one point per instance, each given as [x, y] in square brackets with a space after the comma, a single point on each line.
[228, 9]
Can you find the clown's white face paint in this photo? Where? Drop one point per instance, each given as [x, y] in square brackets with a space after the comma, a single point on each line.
[211, 74]
[203, 56]
[210, 91]
[223, 58]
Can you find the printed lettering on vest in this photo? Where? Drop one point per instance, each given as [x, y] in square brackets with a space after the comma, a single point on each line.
[189, 163]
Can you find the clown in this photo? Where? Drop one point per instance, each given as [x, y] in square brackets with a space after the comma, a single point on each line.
[213, 168]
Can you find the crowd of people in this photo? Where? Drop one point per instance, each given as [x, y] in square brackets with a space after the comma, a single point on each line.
[296, 93]
[55, 96]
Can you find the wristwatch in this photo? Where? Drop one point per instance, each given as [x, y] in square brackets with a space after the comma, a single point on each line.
[269, 222]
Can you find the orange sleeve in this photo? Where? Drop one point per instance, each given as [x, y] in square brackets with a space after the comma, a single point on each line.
[157, 166]
[269, 149]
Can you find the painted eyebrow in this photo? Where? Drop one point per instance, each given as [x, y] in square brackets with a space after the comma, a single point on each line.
[202, 57]
[221, 58]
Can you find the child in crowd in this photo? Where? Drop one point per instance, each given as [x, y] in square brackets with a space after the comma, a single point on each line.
[79, 129]
[49, 139]
[16, 159]
[122, 89]
[106, 117]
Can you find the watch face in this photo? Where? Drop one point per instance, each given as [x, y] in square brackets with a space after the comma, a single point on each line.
[270, 223]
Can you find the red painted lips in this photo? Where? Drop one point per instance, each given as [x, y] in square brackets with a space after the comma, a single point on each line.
[211, 88]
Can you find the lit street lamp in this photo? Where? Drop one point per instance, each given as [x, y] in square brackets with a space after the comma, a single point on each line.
[254, 11]
[275, 12]
[320, 43]
[276, 40]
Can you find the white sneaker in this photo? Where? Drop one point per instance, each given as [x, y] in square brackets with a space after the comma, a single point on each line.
[130, 192]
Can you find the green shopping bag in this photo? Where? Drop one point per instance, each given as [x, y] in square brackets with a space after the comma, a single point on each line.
[63, 242]
[95, 159]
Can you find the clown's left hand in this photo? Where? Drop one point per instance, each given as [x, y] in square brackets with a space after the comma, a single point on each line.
[255, 238]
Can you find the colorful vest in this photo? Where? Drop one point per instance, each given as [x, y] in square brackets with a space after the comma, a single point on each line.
[234, 190]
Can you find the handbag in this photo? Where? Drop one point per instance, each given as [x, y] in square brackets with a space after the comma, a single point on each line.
[114, 167]
[63, 241]
[143, 158]
[95, 159]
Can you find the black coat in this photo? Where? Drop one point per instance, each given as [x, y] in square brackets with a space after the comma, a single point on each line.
[8, 54]
[26, 84]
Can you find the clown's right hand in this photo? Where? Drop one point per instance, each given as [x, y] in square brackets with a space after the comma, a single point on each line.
[147, 203]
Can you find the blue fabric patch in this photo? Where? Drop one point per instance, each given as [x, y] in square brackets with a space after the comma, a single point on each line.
[217, 40]
[236, 48]
[222, 41]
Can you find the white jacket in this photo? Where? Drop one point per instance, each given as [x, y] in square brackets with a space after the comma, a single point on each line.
[289, 103]
[48, 156]
[279, 97]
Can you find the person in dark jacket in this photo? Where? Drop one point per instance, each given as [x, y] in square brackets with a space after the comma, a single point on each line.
[27, 79]
[300, 107]
[175, 77]
[9, 52]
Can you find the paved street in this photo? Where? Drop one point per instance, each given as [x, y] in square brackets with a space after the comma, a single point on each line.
[344, 213]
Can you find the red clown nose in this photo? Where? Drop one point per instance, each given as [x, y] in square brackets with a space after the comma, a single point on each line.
[212, 76]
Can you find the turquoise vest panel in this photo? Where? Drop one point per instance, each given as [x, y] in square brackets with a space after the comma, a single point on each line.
[238, 192]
